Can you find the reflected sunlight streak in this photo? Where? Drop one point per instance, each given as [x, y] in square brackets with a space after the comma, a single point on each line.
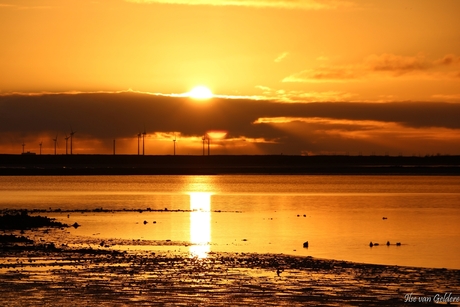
[200, 224]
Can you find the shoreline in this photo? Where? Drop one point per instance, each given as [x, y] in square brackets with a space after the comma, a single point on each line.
[143, 220]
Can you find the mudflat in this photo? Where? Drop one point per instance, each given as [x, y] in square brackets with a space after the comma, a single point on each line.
[45, 267]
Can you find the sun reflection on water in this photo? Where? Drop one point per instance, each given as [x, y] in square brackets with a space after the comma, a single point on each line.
[200, 223]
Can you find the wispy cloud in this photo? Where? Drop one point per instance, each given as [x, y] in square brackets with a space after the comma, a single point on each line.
[289, 4]
[448, 97]
[304, 96]
[23, 7]
[383, 65]
[322, 58]
[338, 124]
[397, 65]
[449, 59]
[325, 74]
[281, 57]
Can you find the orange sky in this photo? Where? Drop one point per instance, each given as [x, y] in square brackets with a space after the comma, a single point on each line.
[291, 51]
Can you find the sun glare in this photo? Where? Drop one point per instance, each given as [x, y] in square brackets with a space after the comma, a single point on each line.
[200, 92]
[200, 223]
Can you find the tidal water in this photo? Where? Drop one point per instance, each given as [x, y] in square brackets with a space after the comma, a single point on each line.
[338, 215]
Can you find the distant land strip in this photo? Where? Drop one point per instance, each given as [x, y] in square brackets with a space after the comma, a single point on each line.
[102, 210]
[11, 165]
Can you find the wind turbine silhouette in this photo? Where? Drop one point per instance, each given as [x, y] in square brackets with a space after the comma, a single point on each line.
[138, 140]
[41, 143]
[55, 143]
[23, 145]
[71, 139]
[203, 143]
[174, 144]
[66, 139]
[143, 141]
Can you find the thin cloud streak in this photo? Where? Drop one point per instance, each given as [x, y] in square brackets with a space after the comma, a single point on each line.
[304, 97]
[383, 65]
[300, 4]
[24, 7]
[397, 65]
[448, 97]
[281, 57]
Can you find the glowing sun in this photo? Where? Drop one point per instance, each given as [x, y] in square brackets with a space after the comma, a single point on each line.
[200, 92]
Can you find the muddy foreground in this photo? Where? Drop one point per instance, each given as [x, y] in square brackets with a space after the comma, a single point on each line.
[47, 267]
[86, 277]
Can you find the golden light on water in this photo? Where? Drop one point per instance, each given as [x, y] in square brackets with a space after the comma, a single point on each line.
[200, 223]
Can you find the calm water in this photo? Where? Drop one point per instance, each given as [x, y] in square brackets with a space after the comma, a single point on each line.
[338, 215]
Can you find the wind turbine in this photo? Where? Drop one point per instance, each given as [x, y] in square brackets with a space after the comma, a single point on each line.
[209, 142]
[143, 141]
[174, 144]
[23, 145]
[66, 139]
[138, 140]
[203, 143]
[71, 139]
[41, 143]
[55, 143]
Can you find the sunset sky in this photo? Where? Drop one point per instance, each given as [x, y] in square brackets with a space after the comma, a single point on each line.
[292, 77]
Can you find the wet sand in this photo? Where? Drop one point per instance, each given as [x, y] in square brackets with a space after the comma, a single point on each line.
[56, 270]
